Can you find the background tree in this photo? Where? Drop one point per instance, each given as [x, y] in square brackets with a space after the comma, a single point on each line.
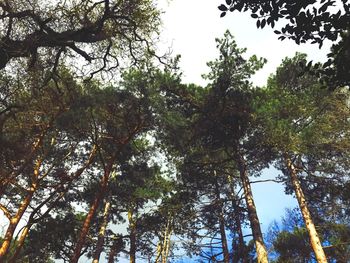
[228, 121]
[314, 21]
[96, 31]
[300, 108]
[33, 175]
[289, 239]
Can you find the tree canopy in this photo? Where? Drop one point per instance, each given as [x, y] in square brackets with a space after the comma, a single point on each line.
[313, 21]
[101, 32]
[152, 169]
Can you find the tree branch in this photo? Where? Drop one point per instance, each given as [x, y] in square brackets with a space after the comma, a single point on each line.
[6, 212]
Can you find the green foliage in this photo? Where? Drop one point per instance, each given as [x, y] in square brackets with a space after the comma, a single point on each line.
[290, 241]
[171, 152]
[311, 20]
[83, 29]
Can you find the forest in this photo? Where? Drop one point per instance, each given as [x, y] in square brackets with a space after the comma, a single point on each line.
[107, 155]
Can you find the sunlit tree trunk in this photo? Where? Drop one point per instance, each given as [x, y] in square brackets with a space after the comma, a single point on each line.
[102, 233]
[14, 220]
[252, 214]
[165, 248]
[309, 224]
[159, 252]
[32, 221]
[7, 178]
[87, 222]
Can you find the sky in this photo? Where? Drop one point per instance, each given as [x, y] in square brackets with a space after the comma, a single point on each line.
[191, 26]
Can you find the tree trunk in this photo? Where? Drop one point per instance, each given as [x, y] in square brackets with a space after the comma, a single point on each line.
[159, 252]
[225, 251]
[7, 178]
[241, 247]
[102, 232]
[20, 243]
[252, 214]
[22, 208]
[32, 221]
[166, 242]
[87, 222]
[235, 205]
[116, 247]
[132, 233]
[309, 224]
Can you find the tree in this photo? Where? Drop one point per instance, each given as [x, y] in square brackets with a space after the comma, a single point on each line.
[289, 239]
[33, 175]
[228, 121]
[113, 117]
[96, 31]
[51, 151]
[300, 116]
[221, 120]
[312, 20]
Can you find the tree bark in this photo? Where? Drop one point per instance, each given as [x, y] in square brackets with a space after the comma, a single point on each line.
[102, 233]
[33, 221]
[7, 178]
[132, 227]
[252, 214]
[235, 205]
[116, 247]
[22, 208]
[166, 242]
[241, 247]
[159, 252]
[87, 222]
[225, 251]
[309, 224]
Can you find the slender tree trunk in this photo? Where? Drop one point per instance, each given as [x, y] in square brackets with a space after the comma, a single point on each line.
[164, 243]
[159, 252]
[241, 247]
[235, 205]
[222, 224]
[132, 227]
[309, 224]
[252, 214]
[32, 221]
[116, 247]
[13, 225]
[20, 243]
[102, 233]
[165, 248]
[7, 178]
[87, 222]
[22, 208]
